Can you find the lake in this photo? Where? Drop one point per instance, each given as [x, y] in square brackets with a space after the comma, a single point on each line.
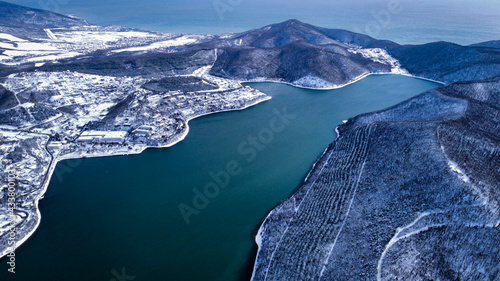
[120, 214]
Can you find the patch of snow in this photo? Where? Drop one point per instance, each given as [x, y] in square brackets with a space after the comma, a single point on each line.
[454, 167]
[11, 38]
[183, 40]
[204, 70]
[129, 34]
[16, 53]
[103, 36]
[258, 238]
[6, 45]
[482, 94]
[50, 34]
[227, 35]
[32, 46]
[9, 131]
[311, 81]
[393, 240]
[103, 107]
[380, 56]
[21, 51]
[54, 57]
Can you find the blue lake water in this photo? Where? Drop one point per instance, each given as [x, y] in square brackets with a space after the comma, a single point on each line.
[122, 213]
[403, 21]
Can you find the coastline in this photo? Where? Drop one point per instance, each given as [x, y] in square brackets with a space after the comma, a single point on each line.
[182, 136]
[357, 79]
[259, 239]
[43, 189]
[441, 152]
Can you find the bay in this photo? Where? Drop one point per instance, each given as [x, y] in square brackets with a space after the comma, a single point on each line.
[120, 214]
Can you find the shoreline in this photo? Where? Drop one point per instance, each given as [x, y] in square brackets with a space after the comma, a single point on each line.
[357, 79]
[258, 238]
[56, 160]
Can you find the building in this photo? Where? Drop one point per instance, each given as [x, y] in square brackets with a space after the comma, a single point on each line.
[102, 137]
[54, 145]
[141, 133]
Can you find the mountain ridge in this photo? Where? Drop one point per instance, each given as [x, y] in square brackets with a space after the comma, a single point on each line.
[266, 54]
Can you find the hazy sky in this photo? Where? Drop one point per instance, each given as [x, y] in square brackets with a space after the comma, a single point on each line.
[414, 21]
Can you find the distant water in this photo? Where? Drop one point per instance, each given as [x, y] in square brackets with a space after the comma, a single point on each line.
[115, 213]
[403, 21]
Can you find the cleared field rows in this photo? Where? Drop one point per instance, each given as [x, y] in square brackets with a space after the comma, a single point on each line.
[320, 215]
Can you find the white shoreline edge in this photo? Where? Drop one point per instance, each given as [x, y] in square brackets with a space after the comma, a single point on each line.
[357, 79]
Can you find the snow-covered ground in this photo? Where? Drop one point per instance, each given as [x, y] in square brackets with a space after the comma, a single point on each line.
[64, 43]
[55, 109]
[73, 101]
[23, 153]
[179, 41]
[311, 81]
[17, 51]
[80, 36]
[380, 56]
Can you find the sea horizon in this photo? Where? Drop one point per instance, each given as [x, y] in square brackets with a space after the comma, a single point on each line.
[400, 21]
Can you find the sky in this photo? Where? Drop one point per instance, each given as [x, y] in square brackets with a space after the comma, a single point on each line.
[403, 21]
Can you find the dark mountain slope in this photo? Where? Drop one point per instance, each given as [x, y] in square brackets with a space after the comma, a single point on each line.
[28, 23]
[488, 44]
[292, 50]
[149, 64]
[447, 62]
[280, 34]
[19, 16]
[441, 61]
[292, 62]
